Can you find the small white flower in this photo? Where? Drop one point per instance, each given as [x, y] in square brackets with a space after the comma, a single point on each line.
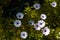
[59, 33]
[43, 16]
[53, 4]
[36, 6]
[37, 27]
[17, 23]
[20, 15]
[46, 31]
[24, 35]
[41, 23]
[31, 22]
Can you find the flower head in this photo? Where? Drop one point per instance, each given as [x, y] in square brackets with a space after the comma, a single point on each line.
[53, 4]
[46, 31]
[37, 27]
[41, 23]
[24, 35]
[43, 16]
[20, 15]
[36, 6]
[31, 22]
[17, 23]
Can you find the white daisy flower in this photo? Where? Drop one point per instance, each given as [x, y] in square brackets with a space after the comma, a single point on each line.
[37, 27]
[43, 16]
[53, 4]
[20, 15]
[37, 6]
[46, 31]
[31, 22]
[24, 35]
[17, 23]
[41, 23]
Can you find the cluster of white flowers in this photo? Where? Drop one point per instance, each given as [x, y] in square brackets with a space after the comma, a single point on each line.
[41, 24]
[38, 26]
[17, 23]
[37, 6]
